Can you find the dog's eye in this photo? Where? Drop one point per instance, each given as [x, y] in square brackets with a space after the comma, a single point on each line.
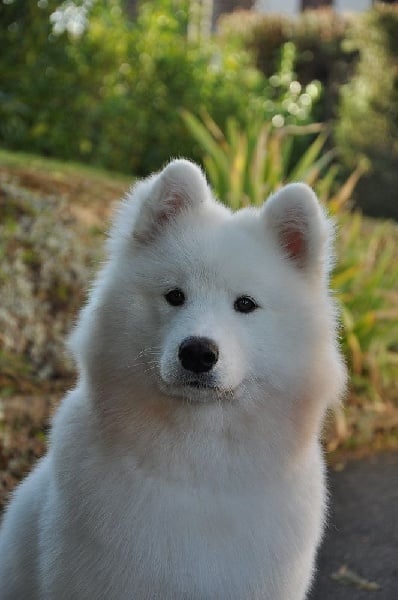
[175, 297]
[244, 304]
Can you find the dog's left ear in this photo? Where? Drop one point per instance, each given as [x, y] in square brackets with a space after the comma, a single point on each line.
[180, 187]
[298, 225]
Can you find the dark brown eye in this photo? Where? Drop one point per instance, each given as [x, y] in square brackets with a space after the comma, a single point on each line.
[244, 304]
[175, 297]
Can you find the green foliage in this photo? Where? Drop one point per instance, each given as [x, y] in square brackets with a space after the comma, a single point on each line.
[111, 92]
[318, 37]
[366, 278]
[52, 87]
[167, 72]
[244, 167]
[368, 124]
[289, 101]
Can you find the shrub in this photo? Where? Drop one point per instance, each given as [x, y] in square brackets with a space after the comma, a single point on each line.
[165, 72]
[110, 93]
[317, 35]
[262, 34]
[368, 124]
[366, 278]
[245, 166]
[366, 281]
[51, 92]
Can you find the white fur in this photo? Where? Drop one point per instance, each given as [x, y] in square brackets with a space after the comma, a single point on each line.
[154, 490]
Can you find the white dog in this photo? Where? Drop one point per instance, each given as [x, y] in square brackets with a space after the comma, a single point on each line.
[186, 463]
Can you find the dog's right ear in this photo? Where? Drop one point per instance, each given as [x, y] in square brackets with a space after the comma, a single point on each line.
[179, 188]
[299, 227]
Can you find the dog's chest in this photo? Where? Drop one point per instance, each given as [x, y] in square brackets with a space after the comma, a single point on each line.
[165, 540]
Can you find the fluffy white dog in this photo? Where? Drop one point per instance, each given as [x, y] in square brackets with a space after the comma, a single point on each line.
[186, 463]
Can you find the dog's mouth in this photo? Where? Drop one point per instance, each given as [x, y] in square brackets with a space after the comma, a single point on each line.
[202, 385]
[196, 390]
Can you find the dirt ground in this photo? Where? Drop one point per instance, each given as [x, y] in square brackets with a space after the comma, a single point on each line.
[358, 559]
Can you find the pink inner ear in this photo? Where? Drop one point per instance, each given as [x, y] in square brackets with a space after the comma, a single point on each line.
[174, 204]
[293, 241]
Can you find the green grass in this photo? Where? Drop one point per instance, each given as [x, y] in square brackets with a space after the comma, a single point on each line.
[22, 160]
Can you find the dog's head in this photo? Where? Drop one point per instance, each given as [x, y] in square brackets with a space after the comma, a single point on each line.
[202, 304]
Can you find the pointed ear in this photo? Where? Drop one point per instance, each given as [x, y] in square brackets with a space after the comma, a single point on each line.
[297, 223]
[180, 187]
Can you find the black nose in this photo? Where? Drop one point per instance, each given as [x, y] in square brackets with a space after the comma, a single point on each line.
[198, 354]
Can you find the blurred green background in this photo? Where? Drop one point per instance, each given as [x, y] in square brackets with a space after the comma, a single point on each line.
[258, 100]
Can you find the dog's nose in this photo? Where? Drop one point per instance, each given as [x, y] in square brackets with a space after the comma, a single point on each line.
[198, 354]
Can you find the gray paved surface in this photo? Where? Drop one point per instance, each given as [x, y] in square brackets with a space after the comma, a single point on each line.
[363, 530]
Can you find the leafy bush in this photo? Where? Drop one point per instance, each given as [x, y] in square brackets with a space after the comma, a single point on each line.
[318, 37]
[262, 34]
[245, 166]
[366, 281]
[368, 123]
[166, 71]
[111, 93]
[52, 88]
[366, 278]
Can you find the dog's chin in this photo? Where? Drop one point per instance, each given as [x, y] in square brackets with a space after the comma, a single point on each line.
[197, 391]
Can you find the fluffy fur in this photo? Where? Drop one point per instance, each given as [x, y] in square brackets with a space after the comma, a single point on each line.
[165, 484]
